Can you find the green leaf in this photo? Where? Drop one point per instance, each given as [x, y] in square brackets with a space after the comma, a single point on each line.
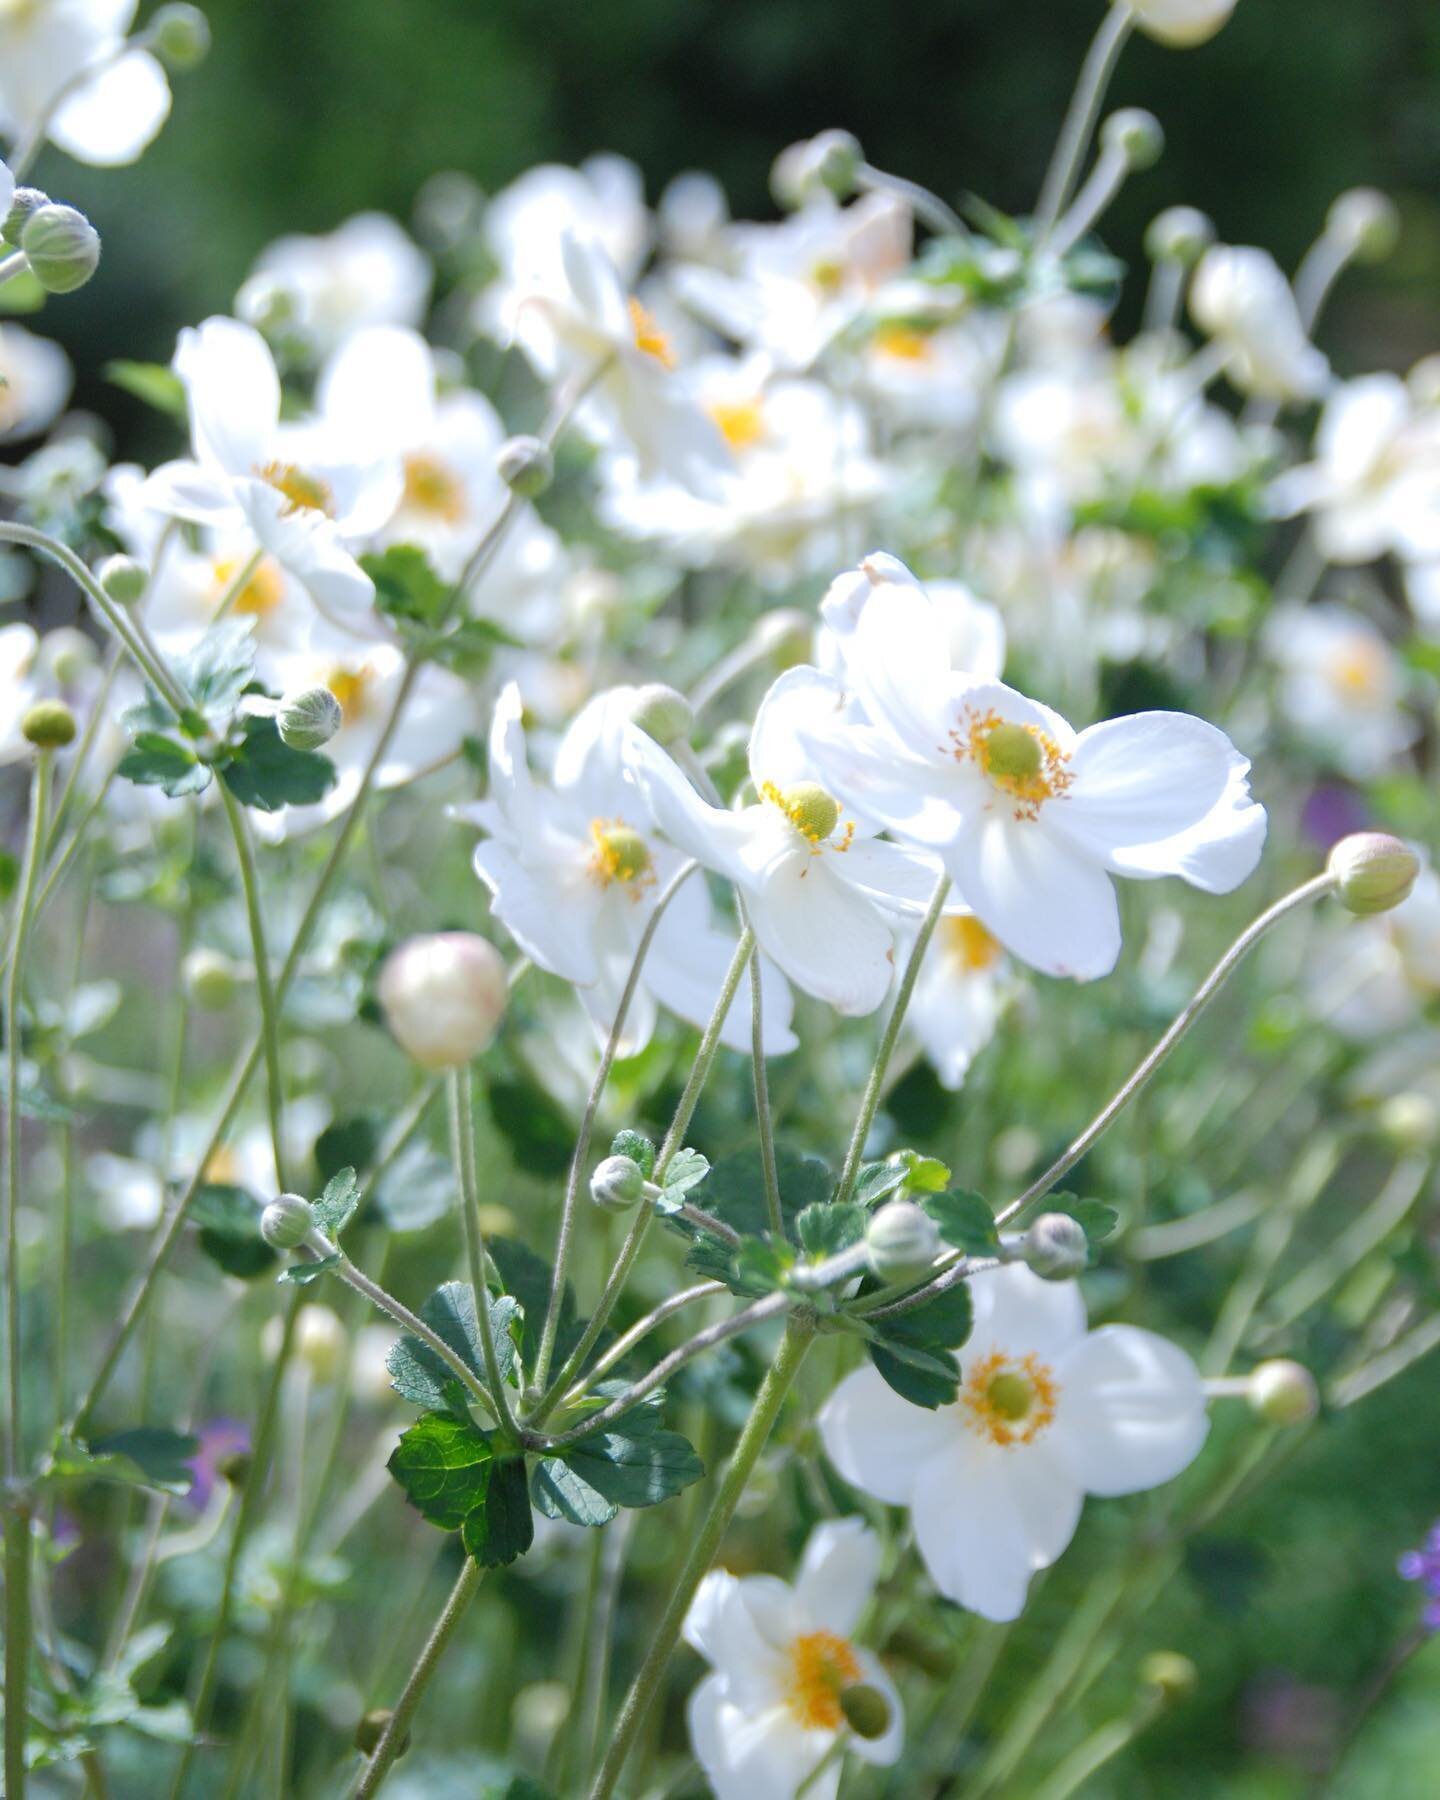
[147, 1456]
[561, 1493]
[302, 1274]
[352, 1141]
[406, 587]
[527, 1276]
[154, 760]
[1095, 1218]
[965, 1221]
[925, 1174]
[265, 772]
[336, 1206]
[639, 1149]
[912, 1349]
[686, 1169]
[470, 648]
[734, 1190]
[827, 1229]
[424, 1378]
[878, 1181]
[635, 1470]
[923, 1377]
[500, 1528]
[229, 1222]
[944, 1320]
[218, 670]
[444, 1466]
[153, 383]
[540, 1135]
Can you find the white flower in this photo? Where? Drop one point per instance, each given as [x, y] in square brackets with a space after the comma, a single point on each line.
[964, 986]
[1341, 685]
[7, 189]
[819, 887]
[34, 382]
[299, 492]
[973, 629]
[366, 272]
[781, 1658]
[46, 45]
[18, 688]
[574, 870]
[1181, 22]
[1240, 297]
[1030, 818]
[1047, 1414]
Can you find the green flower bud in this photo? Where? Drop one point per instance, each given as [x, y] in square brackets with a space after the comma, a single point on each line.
[26, 200]
[123, 579]
[1372, 871]
[287, 1221]
[1056, 1248]
[1366, 223]
[526, 466]
[371, 1729]
[234, 1468]
[866, 1710]
[1180, 234]
[1135, 135]
[617, 1184]
[662, 714]
[70, 654]
[308, 720]
[180, 36]
[902, 1241]
[49, 725]
[1174, 1676]
[62, 248]
[211, 979]
[1283, 1393]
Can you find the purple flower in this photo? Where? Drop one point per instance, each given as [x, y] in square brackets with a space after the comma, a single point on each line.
[219, 1439]
[1423, 1565]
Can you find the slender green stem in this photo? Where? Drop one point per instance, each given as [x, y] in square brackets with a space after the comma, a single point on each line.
[80, 755]
[15, 264]
[1081, 119]
[17, 1643]
[242, 579]
[462, 1137]
[264, 985]
[763, 1120]
[1089, 1757]
[394, 1735]
[799, 1334]
[401, 1314]
[626, 1342]
[929, 208]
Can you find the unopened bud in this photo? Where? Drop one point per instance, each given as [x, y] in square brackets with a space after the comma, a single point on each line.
[902, 1241]
[617, 1184]
[1135, 135]
[866, 1710]
[1410, 1122]
[1180, 234]
[268, 303]
[443, 997]
[211, 979]
[70, 654]
[372, 1728]
[1056, 1248]
[234, 1468]
[123, 579]
[23, 202]
[828, 163]
[1174, 1676]
[1181, 23]
[287, 1221]
[1283, 1393]
[48, 725]
[308, 720]
[180, 36]
[62, 248]
[662, 714]
[1372, 871]
[1365, 223]
[526, 466]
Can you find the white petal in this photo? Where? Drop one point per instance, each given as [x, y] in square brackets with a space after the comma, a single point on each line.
[721, 1626]
[716, 839]
[234, 394]
[764, 1756]
[1047, 904]
[379, 388]
[307, 545]
[186, 490]
[532, 910]
[111, 119]
[801, 704]
[829, 939]
[895, 875]
[878, 1441]
[686, 969]
[1017, 1312]
[898, 659]
[1131, 1411]
[837, 1575]
[7, 188]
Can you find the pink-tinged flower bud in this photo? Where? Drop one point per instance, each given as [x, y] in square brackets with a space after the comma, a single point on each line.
[443, 997]
[1283, 1393]
[1372, 871]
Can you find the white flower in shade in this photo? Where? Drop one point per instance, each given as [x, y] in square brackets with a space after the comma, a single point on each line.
[366, 272]
[821, 890]
[34, 382]
[933, 378]
[1181, 22]
[301, 493]
[964, 987]
[1030, 818]
[1341, 685]
[781, 1659]
[1378, 975]
[1241, 298]
[1047, 1414]
[19, 689]
[46, 48]
[574, 870]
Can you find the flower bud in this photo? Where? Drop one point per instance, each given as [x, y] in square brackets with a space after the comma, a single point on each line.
[1365, 222]
[443, 997]
[617, 1184]
[830, 163]
[320, 1341]
[371, 1729]
[123, 579]
[866, 1710]
[1181, 23]
[1135, 135]
[662, 713]
[1283, 1393]
[180, 36]
[234, 1468]
[308, 720]
[526, 466]
[211, 979]
[287, 1221]
[23, 202]
[1056, 1248]
[49, 725]
[268, 303]
[1372, 871]
[62, 248]
[902, 1241]
[1180, 234]
[1174, 1676]
[70, 654]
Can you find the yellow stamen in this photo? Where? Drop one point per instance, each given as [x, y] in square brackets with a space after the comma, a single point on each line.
[1358, 672]
[1022, 760]
[903, 344]
[827, 274]
[741, 422]
[306, 493]
[433, 488]
[649, 338]
[967, 943]
[822, 1665]
[620, 854]
[351, 687]
[1009, 1399]
[261, 594]
[223, 1167]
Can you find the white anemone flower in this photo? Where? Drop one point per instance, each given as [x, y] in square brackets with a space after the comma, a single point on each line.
[822, 892]
[574, 870]
[1181, 23]
[782, 1658]
[106, 117]
[1342, 685]
[35, 383]
[973, 629]
[1047, 1413]
[1030, 818]
[300, 492]
[965, 984]
[365, 272]
[1242, 300]
[19, 689]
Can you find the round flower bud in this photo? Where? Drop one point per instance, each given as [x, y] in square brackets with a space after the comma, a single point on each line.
[24, 201]
[1173, 1675]
[866, 1710]
[1056, 1248]
[287, 1221]
[308, 720]
[443, 997]
[123, 579]
[1365, 222]
[526, 466]
[320, 1341]
[49, 725]
[1283, 1393]
[267, 303]
[371, 1729]
[234, 1467]
[902, 1241]
[617, 1184]
[1372, 871]
[211, 979]
[1135, 135]
[1181, 23]
[180, 36]
[1180, 234]
[830, 162]
[662, 714]
[1410, 1122]
[62, 248]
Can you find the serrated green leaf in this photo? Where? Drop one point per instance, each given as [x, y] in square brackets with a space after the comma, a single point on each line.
[302, 1274]
[923, 1174]
[561, 1492]
[878, 1181]
[943, 1321]
[1094, 1217]
[635, 1470]
[147, 1456]
[827, 1229]
[336, 1206]
[501, 1527]
[423, 1377]
[154, 760]
[527, 1277]
[637, 1147]
[686, 1169]
[965, 1221]
[406, 586]
[216, 672]
[263, 771]
[734, 1190]
[443, 1464]
[153, 383]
